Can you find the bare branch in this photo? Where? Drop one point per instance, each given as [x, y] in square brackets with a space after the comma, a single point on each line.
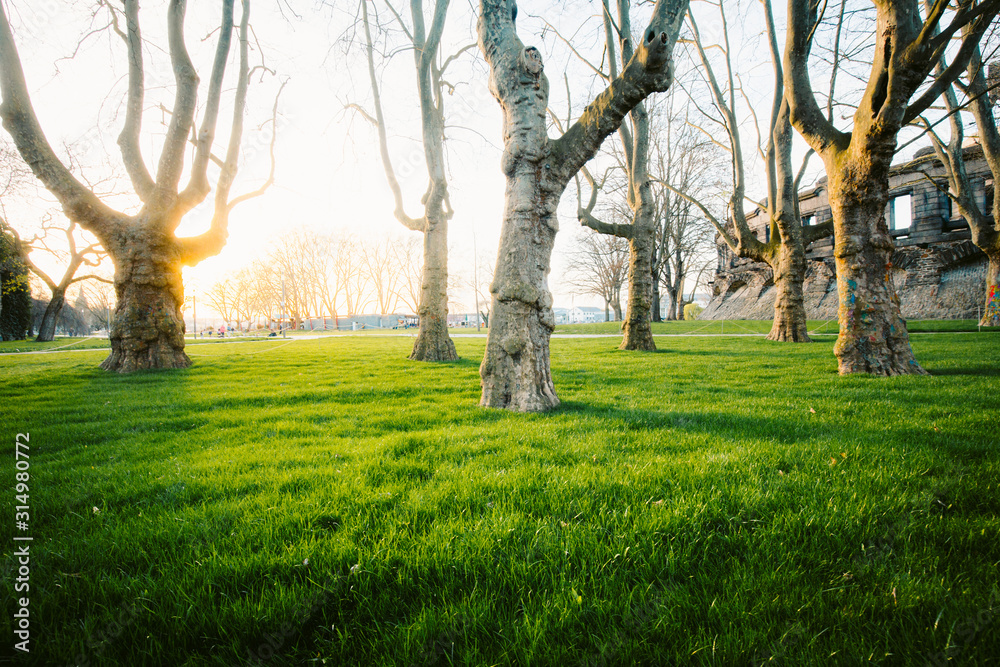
[79, 203]
[171, 164]
[128, 140]
[198, 187]
[390, 173]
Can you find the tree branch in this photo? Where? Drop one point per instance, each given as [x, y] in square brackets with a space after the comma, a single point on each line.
[128, 140]
[198, 186]
[649, 70]
[78, 202]
[817, 232]
[171, 164]
[383, 142]
[818, 131]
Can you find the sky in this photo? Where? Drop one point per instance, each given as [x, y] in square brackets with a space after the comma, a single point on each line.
[328, 175]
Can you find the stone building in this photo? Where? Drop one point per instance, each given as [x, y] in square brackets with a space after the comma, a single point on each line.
[937, 271]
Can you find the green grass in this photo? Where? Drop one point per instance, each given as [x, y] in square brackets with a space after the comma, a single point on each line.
[712, 327]
[725, 501]
[93, 343]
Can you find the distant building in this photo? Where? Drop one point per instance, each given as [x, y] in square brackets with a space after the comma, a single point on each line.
[464, 320]
[937, 271]
[584, 315]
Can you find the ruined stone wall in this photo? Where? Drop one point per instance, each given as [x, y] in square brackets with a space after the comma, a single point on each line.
[937, 271]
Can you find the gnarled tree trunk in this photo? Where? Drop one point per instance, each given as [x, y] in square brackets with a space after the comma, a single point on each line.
[873, 337]
[789, 325]
[515, 371]
[148, 329]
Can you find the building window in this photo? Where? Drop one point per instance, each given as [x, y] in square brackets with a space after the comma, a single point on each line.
[808, 220]
[767, 234]
[988, 196]
[900, 213]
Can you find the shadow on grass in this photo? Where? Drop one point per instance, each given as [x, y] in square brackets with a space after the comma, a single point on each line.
[982, 371]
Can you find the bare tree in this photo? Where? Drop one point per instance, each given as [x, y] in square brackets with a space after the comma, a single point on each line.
[350, 274]
[383, 271]
[148, 331]
[410, 281]
[223, 296]
[100, 299]
[873, 337]
[433, 342]
[683, 160]
[515, 372]
[76, 256]
[599, 265]
[984, 224]
[640, 230]
[784, 247]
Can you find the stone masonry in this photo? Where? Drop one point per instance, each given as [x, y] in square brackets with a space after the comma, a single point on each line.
[937, 271]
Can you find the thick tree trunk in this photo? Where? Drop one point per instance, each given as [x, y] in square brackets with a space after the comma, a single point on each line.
[991, 313]
[789, 267]
[515, 371]
[637, 334]
[433, 342]
[47, 328]
[607, 311]
[873, 337]
[148, 329]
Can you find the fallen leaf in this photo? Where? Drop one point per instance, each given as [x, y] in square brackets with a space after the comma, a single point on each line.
[812, 411]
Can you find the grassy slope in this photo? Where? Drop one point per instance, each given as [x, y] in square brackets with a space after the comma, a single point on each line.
[681, 507]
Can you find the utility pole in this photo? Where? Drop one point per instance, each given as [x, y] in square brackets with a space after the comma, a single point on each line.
[194, 311]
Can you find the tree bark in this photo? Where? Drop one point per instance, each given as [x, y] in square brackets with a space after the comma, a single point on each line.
[47, 327]
[433, 342]
[148, 329]
[148, 332]
[789, 324]
[991, 312]
[636, 331]
[655, 313]
[873, 337]
[515, 371]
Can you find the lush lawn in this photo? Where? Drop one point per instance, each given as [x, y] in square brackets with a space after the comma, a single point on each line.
[725, 501]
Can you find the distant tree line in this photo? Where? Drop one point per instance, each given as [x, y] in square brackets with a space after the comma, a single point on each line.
[311, 275]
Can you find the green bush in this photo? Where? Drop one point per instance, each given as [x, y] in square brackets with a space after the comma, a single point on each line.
[692, 311]
[15, 292]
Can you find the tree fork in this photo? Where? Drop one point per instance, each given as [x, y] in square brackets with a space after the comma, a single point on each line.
[515, 371]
